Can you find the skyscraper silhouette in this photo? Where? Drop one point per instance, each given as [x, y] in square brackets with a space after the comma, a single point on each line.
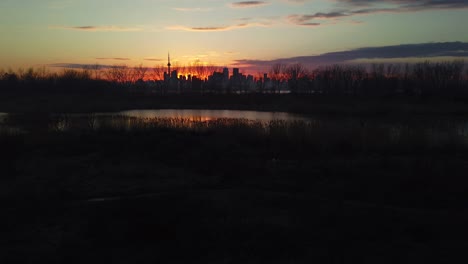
[168, 64]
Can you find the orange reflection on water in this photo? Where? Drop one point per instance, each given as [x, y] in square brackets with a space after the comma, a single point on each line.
[200, 118]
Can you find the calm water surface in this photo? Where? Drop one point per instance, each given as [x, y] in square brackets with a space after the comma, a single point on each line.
[207, 115]
[427, 129]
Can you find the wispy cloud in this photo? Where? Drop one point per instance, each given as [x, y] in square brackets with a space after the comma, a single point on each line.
[217, 28]
[98, 28]
[310, 24]
[311, 20]
[119, 59]
[153, 59]
[246, 4]
[79, 66]
[349, 8]
[204, 29]
[411, 4]
[294, 2]
[302, 20]
[192, 9]
[356, 22]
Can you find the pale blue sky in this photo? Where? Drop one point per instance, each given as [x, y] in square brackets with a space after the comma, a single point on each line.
[41, 32]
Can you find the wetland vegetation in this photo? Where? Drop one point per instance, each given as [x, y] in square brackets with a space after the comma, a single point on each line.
[363, 172]
[77, 187]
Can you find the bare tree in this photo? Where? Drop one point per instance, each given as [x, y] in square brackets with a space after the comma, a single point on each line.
[182, 69]
[294, 73]
[138, 73]
[466, 75]
[28, 75]
[158, 72]
[393, 70]
[277, 73]
[175, 67]
[359, 74]
[378, 71]
[210, 68]
[199, 69]
[95, 70]
[118, 73]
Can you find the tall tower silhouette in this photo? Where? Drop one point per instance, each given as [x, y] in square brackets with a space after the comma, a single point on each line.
[168, 64]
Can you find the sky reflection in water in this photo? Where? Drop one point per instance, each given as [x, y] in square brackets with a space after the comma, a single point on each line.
[207, 115]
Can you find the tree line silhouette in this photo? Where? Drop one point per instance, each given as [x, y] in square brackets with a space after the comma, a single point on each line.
[416, 79]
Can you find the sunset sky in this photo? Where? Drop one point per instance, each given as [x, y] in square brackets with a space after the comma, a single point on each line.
[109, 32]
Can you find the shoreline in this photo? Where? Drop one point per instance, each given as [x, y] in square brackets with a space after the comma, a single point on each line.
[296, 104]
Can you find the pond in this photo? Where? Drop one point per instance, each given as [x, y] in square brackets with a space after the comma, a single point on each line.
[138, 119]
[207, 115]
[428, 130]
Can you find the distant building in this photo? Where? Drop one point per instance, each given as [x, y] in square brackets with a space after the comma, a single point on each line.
[216, 81]
[235, 80]
[225, 83]
[174, 75]
[226, 74]
[168, 63]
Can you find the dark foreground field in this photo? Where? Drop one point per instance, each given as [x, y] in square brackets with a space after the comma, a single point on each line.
[231, 191]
